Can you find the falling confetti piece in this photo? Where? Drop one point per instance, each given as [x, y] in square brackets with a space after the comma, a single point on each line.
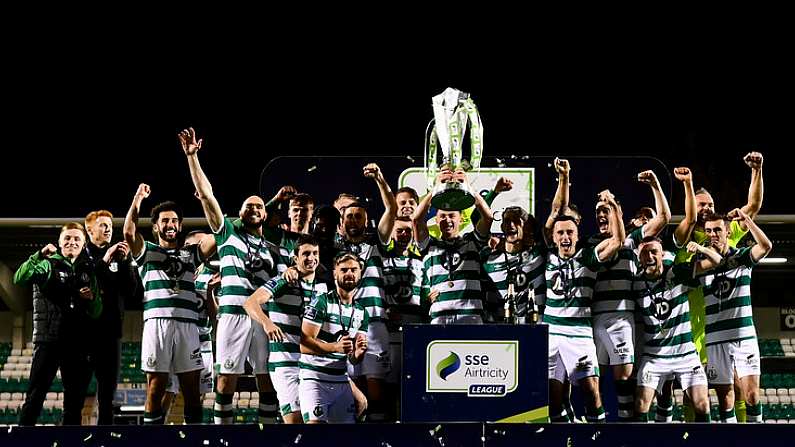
[182, 434]
[386, 444]
[115, 435]
[410, 158]
[55, 444]
[568, 442]
[297, 438]
[595, 435]
[685, 436]
[433, 432]
[440, 439]
[88, 437]
[261, 426]
[206, 442]
[311, 168]
[540, 430]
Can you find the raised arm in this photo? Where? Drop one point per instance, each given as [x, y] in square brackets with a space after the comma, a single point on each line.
[284, 195]
[711, 257]
[561, 200]
[763, 244]
[130, 229]
[654, 226]
[483, 226]
[757, 188]
[212, 210]
[686, 226]
[419, 217]
[390, 204]
[609, 247]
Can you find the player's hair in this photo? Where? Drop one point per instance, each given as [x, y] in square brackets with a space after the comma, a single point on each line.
[163, 207]
[94, 215]
[304, 239]
[409, 190]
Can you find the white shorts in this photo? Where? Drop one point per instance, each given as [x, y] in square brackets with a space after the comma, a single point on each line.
[206, 378]
[239, 338]
[614, 336]
[396, 355]
[285, 382]
[170, 346]
[376, 362]
[654, 372]
[327, 402]
[571, 357]
[458, 319]
[725, 358]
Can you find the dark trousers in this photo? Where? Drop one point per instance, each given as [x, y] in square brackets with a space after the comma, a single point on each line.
[104, 362]
[47, 358]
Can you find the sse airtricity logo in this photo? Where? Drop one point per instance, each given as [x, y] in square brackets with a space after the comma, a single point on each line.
[448, 365]
[482, 368]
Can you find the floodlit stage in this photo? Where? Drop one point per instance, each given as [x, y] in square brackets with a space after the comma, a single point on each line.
[394, 435]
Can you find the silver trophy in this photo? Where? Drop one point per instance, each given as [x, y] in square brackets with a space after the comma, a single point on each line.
[454, 112]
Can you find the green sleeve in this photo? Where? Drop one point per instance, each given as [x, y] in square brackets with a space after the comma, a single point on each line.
[588, 258]
[36, 269]
[272, 234]
[743, 257]
[365, 320]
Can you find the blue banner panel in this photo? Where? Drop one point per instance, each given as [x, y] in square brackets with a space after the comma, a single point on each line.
[474, 373]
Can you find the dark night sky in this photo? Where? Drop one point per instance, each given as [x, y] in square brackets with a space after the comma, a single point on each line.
[82, 130]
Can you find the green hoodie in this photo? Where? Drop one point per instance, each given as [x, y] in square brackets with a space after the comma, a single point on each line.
[38, 270]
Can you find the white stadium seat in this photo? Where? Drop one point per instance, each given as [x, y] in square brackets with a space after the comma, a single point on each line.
[786, 399]
[772, 399]
[782, 392]
[770, 391]
[5, 396]
[244, 395]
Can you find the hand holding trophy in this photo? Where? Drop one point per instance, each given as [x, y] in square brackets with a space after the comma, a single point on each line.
[453, 112]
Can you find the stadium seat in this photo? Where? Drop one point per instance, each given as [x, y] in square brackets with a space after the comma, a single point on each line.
[16, 352]
[784, 341]
[772, 400]
[785, 399]
[763, 399]
[17, 396]
[242, 403]
[244, 395]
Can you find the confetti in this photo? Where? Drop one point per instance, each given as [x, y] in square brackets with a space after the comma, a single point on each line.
[312, 168]
[297, 438]
[115, 435]
[596, 435]
[182, 434]
[433, 432]
[206, 442]
[568, 442]
[55, 444]
[386, 444]
[91, 435]
[540, 430]
[685, 436]
[410, 158]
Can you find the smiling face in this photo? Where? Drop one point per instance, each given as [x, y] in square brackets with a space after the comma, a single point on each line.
[299, 214]
[308, 258]
[402, 233]
[168, 226]
[449, 223]
[71, 242]
[101, 231]
[651, 258]
[565, 236]
[252, 212]
[602, 218]
[406, 204]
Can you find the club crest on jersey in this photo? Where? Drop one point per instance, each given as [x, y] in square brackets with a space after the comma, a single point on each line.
[662, 310]
[310, 313]
[723, 287]
[256, 264]
[452, 261]
[229, 363]
[151, 361]
[520, 280]
[174, 267]
[318, 411]
[558, 285]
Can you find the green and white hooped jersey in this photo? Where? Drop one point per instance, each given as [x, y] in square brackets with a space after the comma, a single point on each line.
[285, 241]
[613, 289]
[727, 296]
[203, 276]
[665, 309]
[453, 268]
[526, 270]
[370, 293]
[402, 284]
[247, 262]
[286, 310]
[168, 280]
[332, 316]
[570, 287]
